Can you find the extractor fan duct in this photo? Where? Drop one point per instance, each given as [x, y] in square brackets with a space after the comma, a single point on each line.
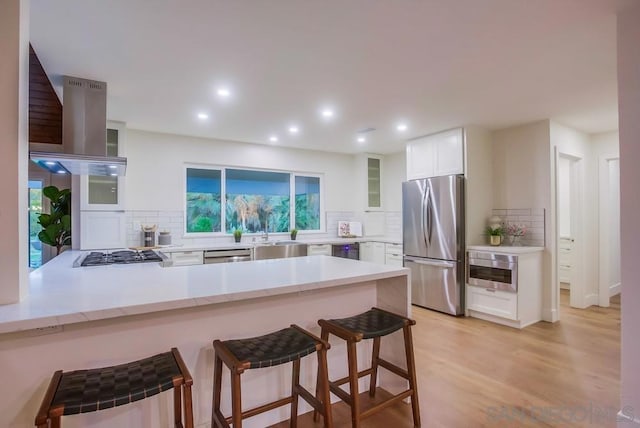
[84, 133]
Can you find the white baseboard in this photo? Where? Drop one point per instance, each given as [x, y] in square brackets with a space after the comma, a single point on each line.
[615, 289]
[625, 420]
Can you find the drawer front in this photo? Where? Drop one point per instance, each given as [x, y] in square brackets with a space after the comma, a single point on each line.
[393, 249]
[317, 250]
[187, 258]
[499, 303]
[393, 259]
[564, 273]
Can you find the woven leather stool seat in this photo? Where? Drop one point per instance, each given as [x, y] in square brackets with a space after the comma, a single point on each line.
[373, 324]
[283, 346]
[83, 391]
[280, 347]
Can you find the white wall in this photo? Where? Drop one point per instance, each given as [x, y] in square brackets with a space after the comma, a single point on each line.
[156, 168]
[628, 30]
[14, 79]
[577, 145]
[479, 183]
[522, 177]
[395, 172]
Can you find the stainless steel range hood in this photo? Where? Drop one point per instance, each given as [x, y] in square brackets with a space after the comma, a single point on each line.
[84, 133]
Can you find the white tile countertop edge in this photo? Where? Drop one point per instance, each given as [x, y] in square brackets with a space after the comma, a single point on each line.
[60, 294]
[505, 249]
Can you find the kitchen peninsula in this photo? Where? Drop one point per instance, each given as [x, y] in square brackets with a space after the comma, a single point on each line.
[118, 313]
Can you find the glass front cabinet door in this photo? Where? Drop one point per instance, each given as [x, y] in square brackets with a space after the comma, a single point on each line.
[105, 193]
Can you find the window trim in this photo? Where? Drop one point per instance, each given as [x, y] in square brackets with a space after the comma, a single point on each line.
[223, 199]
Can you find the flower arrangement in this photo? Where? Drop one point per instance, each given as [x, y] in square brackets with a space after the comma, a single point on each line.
[514, 229]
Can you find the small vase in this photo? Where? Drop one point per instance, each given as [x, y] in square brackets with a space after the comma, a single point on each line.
[494, 240]
[237, 238]
[514, 240]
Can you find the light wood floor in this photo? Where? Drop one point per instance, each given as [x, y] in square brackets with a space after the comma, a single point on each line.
[473, 373]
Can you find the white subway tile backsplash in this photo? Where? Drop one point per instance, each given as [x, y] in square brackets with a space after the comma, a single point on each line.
[532, 218]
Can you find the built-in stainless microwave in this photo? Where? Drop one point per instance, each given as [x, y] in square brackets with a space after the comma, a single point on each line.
[492, 270]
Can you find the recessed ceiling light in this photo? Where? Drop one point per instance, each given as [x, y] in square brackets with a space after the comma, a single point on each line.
[361, 139]
[50, 163]
[223, 92]
[294, 129]
[112, 166]
[61, 171]
[402, 127]
[273, 139]
[203, 116]
[113, 174]
[327, 113]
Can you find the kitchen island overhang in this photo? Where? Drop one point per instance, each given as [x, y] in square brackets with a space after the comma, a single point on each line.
[119, 313]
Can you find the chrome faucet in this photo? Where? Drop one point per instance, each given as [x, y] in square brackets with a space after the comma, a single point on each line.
[265, 232]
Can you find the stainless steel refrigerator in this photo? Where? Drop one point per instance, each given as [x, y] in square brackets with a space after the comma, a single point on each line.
[433, 239]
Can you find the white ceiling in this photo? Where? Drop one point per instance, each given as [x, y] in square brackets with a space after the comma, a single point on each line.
[436, 64]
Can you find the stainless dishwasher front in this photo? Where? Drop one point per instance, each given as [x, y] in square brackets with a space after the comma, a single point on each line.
[227, 256]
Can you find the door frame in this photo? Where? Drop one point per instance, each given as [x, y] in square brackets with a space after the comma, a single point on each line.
[604, 291]
[577, 293]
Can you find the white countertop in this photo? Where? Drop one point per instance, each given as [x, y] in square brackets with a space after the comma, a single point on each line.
[60, 294]
[505, 249]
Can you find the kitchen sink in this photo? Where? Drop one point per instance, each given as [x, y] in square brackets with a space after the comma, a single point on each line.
[279, 250]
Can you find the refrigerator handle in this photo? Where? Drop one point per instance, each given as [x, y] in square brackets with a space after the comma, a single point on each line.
[436, 263]
[426, 234]
[429, 216]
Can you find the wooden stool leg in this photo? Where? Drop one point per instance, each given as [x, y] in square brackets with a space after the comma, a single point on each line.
[188, 407]
[373, 379]
[322, 383]
[177, 406]
[324, 334]
[353, 383]
[411, 369]
[217, 390]
[236, 405]
[295, 382]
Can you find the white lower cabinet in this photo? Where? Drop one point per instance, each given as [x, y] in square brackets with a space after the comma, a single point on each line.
[518, 309]
[393, 254]
[186, 258]
[319, 250]
[495, 302]
[372, 252]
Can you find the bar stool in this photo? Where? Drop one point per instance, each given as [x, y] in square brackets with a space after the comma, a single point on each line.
[372, 324]
[283, 346]
[83, 391]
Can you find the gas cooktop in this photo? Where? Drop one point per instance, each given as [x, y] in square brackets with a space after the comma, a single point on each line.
[96, 258]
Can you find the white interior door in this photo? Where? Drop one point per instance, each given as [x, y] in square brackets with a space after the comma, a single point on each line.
[609, 228]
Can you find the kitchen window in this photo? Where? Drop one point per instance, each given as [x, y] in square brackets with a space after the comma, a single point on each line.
[307, 200]
[204, 188]
[226, 199]
[257, 201]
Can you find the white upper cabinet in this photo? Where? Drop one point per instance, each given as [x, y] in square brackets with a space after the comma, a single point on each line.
[374, 182]
[105, 193]
[369, 176]
[435, 155]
